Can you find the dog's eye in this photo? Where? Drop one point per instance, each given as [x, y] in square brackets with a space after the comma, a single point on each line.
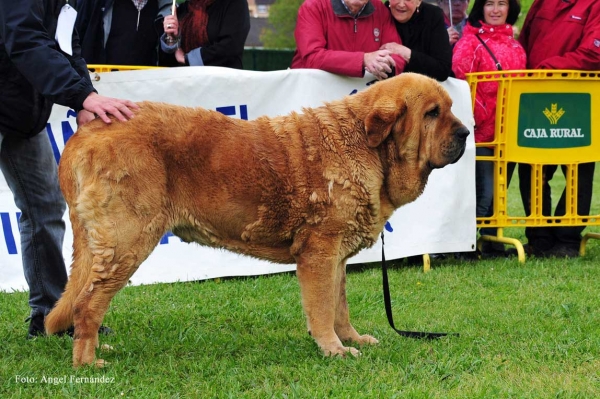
[433, 113]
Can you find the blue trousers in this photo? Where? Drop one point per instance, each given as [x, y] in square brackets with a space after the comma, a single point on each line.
[545, 238]
[30, 170]
[484, 188]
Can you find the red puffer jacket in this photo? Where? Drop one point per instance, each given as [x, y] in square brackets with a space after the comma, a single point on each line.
[471, 56]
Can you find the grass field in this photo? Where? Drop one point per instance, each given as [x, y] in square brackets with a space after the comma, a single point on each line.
[526, 331]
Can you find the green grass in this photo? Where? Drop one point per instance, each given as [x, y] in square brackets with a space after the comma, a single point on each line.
[526, 331]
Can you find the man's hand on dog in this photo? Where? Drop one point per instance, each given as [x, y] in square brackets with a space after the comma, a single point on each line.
[104, 106]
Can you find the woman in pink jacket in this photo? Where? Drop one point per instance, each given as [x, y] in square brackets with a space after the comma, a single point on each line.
[487, 44]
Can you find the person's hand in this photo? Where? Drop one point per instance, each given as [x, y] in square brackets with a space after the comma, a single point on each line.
[84, 117]
[379, 63]
[397, 49]
[453, 34]
[180, 56]
[171, 25]
[104, 106]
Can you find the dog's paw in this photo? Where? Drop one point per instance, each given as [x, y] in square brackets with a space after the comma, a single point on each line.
[342, 351]
[101, 363]
[367, 340]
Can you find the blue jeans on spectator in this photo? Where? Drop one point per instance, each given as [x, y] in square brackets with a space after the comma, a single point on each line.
[484, 188]
[30, 170]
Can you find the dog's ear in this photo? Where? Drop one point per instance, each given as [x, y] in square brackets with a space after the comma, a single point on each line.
[381, 118]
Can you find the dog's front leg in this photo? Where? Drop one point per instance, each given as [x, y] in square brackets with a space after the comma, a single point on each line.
[344, 330]
[317, 258]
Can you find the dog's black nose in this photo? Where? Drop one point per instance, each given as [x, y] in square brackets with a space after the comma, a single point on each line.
[462, 133]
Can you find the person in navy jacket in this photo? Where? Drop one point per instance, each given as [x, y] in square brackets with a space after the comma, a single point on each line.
[35, 73]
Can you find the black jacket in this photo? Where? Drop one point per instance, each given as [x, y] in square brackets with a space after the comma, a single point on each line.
[426, 35]
[122, 44]
[34, 72]
[227, 29]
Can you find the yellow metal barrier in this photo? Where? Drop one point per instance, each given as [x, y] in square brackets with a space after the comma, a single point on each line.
[99, 68]
[543, 117]
[112, 68]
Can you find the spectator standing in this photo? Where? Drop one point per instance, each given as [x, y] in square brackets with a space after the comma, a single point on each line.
[488, 44]
[560, 34]
[211, 32]
[425, 46]
[455, 17]
[35, 73]
[121, 32]
[345, 36]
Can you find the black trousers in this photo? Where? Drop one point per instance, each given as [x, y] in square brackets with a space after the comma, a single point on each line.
[545, 238]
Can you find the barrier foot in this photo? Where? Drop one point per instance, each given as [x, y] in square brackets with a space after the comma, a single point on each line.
[426, 263]
[584, 241]
[508, 241]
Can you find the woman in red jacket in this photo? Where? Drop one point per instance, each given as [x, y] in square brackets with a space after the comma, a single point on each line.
[487, 44]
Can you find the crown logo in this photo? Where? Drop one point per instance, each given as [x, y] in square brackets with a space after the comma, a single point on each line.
[554, 114]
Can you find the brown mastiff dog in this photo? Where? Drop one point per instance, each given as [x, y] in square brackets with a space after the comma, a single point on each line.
[311, 188]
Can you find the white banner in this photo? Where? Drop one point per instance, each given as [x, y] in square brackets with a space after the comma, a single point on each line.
[441, 220]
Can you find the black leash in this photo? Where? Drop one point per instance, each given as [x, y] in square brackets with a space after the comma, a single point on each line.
[388, 306]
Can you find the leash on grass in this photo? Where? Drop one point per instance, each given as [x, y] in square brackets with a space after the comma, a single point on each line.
[388, 306]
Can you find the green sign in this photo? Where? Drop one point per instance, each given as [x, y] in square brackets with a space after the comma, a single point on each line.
[555, 120]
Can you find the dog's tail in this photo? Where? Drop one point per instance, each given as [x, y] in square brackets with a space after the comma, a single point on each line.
[61, 317]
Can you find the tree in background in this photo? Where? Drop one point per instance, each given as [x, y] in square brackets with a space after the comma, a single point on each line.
[282, 21]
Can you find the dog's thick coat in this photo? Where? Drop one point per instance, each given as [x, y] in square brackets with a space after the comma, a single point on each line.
[310, 188]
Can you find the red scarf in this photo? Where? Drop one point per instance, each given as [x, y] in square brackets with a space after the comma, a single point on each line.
[193, 25]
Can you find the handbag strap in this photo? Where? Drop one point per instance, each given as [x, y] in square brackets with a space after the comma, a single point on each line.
[498, 66]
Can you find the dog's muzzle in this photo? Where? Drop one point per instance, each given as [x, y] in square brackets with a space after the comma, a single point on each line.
[460, 139]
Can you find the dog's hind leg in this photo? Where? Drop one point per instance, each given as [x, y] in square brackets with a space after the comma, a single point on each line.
[61, 316]
[317, 260]
[119, 239]
[343, 328]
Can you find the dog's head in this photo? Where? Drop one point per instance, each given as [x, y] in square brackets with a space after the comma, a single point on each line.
[408, 118]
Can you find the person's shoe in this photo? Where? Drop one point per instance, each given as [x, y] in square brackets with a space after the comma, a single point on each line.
[563, 251]
[37, 329]
[558, 251]
[470, 256]
[491, 249]
[529, 251]
[36, 326]
[414, 260]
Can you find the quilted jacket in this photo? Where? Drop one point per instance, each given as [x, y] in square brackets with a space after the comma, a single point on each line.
[471, 56]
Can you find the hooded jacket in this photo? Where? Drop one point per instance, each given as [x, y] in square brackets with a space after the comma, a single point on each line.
[471, 56]
[559, 34]
[329, 38]
[34, 72]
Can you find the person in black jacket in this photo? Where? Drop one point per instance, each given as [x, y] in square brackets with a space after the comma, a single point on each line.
[122, 32]
[34, 74]
[425, 45]
[211, 33]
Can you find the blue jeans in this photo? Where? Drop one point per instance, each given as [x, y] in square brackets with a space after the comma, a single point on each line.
[31, 172]
[484, 188]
